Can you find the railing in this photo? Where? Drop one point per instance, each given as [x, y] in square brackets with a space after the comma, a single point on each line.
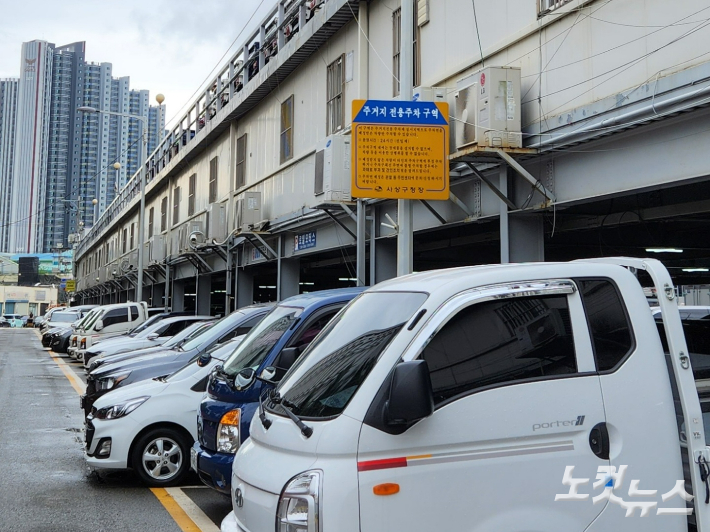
[284, 21]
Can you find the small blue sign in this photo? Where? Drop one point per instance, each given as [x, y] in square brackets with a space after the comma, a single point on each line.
[395, 112]
[256, 254]
[304, 241]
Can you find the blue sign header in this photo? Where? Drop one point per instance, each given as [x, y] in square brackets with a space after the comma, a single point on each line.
[395, 112]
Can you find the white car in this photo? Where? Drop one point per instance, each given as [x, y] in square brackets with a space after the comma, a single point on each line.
[150, 426]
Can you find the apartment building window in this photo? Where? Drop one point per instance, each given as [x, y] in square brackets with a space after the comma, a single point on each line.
[151, 220]
[133, 236]
[213, 179]
[176, 205]
[192, 186]
[287, 129]
[241, 160]
[544, 6]
[164, 214]
[335, 81]
[416, 47]
[125, 240]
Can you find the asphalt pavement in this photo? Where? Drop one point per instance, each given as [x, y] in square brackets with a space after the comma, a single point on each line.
[45, 485]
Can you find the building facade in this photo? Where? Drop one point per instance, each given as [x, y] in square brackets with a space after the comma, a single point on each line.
[242, 204]
[8, 125]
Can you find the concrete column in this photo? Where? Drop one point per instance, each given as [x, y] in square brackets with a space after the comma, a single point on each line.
[245, 287]
[204, 295]
[386, 264]
[178, 296]
[289, 278]
[527, 238]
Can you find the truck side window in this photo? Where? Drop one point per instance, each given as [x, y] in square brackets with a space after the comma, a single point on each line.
[501, 342]
[608, 323]
[117, 315]
[134, 313]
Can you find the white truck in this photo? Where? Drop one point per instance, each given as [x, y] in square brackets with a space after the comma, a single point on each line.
[108, 321]
[527, 397]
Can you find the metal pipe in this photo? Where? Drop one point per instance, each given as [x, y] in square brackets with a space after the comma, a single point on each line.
[361, 241]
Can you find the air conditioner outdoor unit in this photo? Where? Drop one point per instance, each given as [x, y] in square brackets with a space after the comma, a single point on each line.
[157, 248]
[248, 211]
[197, 229]
[332, 175]
[429, 94]
[217, 221]
[133, 260]
[178, 240]
[488, 110]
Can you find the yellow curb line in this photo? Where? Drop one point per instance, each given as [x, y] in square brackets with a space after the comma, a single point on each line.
[173, 508]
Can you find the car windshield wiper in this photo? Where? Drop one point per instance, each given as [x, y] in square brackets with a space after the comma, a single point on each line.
[286, 406]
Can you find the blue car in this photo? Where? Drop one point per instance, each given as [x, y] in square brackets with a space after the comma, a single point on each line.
[264, 356]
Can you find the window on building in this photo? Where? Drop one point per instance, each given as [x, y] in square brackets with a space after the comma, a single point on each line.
[176, 205]
[501, 342]
[133, 236]
[608, 322]
[335, 81]
[545, 6]
[287, 129]
[241, 160]
[192, 187]
[125, 240]
[151, 221]
[214, 167]
[397, 47]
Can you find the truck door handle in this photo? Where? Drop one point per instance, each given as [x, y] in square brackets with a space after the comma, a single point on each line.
[599, 440]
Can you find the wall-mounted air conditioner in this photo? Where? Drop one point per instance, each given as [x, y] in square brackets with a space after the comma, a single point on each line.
[248, 211]
[196, 228]
[488, 110]
[157, 248]
[217, 221]
[133, 260]
[332, 174]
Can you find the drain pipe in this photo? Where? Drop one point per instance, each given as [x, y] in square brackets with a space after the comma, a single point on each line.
[651, 110]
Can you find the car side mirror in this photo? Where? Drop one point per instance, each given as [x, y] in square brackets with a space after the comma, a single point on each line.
[153, 336]
[287, 357]
[245, 378]
[204, 359]
[268, 373]
[411, 397]
[98, 325]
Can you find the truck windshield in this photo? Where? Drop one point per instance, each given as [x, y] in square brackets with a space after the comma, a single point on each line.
[328, 374]
[257, 344]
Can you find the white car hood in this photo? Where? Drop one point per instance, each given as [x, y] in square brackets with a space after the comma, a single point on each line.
[148, 387]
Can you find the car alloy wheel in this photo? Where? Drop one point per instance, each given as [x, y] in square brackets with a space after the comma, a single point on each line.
[161, 457]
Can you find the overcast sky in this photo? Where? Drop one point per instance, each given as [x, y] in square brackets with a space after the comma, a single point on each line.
[166, 46]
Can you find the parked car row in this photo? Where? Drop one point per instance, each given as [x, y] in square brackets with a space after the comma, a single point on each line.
[348, 385]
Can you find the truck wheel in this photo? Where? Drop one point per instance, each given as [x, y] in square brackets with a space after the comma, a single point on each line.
[161, 457]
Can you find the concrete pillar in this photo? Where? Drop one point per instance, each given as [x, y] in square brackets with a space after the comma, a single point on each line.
[178, 296]
[504, 225]
[245, 287]
[386, 263]
[527, 238]
[204, 294]
[290, 275]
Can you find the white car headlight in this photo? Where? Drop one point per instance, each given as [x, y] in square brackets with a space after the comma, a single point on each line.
[108, 383]
[228, 432]
[299, 504]
[120, 409]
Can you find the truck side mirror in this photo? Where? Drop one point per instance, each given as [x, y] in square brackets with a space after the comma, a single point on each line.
[245, 378]
[287, 357]
[411, 397]
[98, 325]
[204, 359]
[268, 373]
[153, 336]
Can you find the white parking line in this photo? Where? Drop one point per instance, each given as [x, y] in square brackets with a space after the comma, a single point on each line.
[192, 510]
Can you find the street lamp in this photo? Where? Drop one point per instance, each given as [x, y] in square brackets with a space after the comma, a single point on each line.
[144, 157]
